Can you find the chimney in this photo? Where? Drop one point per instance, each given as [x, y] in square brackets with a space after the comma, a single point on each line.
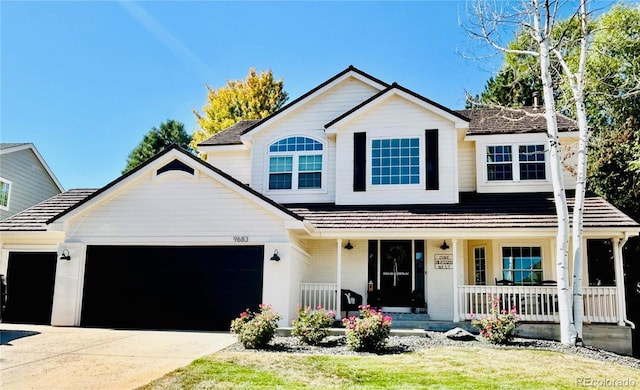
[536, 99]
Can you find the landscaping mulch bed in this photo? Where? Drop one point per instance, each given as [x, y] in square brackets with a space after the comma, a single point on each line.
[336, 345]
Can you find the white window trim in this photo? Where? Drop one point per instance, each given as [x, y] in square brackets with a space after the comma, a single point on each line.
[294, 173]
[515, 164]
[3, 180]
[393, 187]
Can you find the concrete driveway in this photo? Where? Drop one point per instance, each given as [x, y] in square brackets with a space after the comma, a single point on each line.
[46, 357]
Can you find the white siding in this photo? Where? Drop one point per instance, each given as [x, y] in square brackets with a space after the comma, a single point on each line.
[175, 209]
[439, 284]
[307, 120]
[466, 163]
[236, 163]
[322, 264]
[397, 117]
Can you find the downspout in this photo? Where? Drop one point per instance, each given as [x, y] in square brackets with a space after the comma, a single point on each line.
[456, 313]
[339, 280]
[620, 276]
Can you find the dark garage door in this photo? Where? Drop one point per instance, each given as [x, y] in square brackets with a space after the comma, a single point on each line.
[170, 287]
[30, 281]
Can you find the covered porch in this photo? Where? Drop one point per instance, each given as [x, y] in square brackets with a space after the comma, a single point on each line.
[457, 279]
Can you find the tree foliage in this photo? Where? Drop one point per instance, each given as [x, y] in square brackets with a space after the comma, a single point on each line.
[612, 98]
[255, 97]
[170, 132]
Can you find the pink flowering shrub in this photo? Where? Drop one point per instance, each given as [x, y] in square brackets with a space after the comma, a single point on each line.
[256, 329]
[369, 332]
[499, 326]
[312, 326]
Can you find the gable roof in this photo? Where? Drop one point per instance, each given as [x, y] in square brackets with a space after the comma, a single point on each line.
[490, 121]
[391, 89]
[6, 148]
[197, 160]
[475, 211]
[234, 137]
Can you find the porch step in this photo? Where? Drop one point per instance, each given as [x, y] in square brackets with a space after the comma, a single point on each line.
[398, 317]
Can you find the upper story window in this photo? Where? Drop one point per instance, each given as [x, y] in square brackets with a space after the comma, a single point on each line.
[5, 189]
[530, 162]
[395, 161]
[295, 163]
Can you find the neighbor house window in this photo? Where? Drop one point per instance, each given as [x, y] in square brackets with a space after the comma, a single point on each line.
[480, 265]
[5, 189]
[501, 166]
[395, 161]
[295, 163]
[522, 265]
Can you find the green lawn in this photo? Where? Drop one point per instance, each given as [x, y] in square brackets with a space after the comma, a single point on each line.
[437, 368]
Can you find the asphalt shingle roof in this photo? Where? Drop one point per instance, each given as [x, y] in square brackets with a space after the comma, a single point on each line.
[518, 210]
[487, 121]
[35, 217]
[231, 135]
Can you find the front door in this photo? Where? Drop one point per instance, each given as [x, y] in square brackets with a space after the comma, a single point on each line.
[396, 272]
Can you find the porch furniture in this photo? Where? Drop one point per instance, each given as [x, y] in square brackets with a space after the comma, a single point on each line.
[504, 282]
[350, 301]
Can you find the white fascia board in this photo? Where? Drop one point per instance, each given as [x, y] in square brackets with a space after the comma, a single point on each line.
[249, 136]
[467, 234]
[510, 136]
[470, 234]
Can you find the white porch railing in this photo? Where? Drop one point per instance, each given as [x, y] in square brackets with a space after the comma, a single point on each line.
[319, 294]
[536, 303]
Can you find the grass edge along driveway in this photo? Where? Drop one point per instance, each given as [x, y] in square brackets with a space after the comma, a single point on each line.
[441, 368]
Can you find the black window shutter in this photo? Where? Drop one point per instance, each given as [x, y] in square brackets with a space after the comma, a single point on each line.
[431, 157]
[359, 161]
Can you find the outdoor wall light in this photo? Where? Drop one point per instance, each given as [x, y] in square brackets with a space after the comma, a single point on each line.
[275, 256]
[65, 255]
[348, 246]
[444, 245]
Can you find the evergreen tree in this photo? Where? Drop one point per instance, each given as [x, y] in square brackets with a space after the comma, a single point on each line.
[170, 132]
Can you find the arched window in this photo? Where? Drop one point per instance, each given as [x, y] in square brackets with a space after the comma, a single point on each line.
[295, 163]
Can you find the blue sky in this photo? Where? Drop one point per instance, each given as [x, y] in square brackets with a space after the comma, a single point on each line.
[84, 81]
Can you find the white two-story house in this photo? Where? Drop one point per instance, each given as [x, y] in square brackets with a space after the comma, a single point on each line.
[356, 185]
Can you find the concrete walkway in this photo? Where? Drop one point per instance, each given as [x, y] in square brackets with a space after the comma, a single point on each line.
[46, 357]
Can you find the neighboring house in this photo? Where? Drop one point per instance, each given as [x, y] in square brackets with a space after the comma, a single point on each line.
[357, 185]
[25, 178]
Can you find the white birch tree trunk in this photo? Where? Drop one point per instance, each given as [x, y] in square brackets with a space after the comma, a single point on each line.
[567, 330]
[576, 81]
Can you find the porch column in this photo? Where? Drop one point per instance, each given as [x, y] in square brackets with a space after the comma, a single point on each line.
[620, 290]
[454, 247]
[339, 279]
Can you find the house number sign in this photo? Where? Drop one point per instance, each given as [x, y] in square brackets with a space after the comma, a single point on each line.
[443, 261]
[241, 238]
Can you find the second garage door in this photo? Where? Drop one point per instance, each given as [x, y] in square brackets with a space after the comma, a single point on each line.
[164, 287]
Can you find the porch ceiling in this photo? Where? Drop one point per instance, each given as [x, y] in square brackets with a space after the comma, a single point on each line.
[500, 211]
